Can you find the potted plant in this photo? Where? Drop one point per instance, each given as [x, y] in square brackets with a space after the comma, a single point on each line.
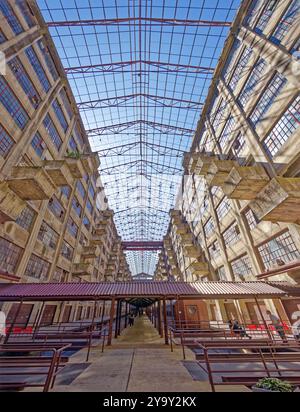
[273, 385]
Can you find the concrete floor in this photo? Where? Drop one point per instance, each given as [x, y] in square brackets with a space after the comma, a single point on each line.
[138, 361]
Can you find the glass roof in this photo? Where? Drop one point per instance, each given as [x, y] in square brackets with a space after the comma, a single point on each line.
[140, 72]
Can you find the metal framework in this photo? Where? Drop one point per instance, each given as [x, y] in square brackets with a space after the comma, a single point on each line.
[140, 72]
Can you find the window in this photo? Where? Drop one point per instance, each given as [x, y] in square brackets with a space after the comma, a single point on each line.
[37, 268]
[48, 59]
[2, 37]
[286, 22]
[241, 267]
[231, 60]
[76, 206]
[37, 67]
[6, 143]
[72, 227]
[223, 209]
[253, 11]
[240, 68]
[216, 193]
[251, 219]
[204, 206]
[89, 207]
[231, 235]
[221, 273]
[266, 100]
[64, 97]
[252, 82]
[26, 12]
[214, 250]
[227, 132]
[80, 189]
[67, 251]
[10, 16]
[209, 228]
[283, 129]
[38, 144]
[78, 136]
[12, 104]
[73, 145]
[24, 80]
[268, 10]
[86, 223]
[92, 191]
[9, 256]
[66, 191]
[56, 208]
[48, 236]
[52, 131]
[60, 115]
[281, 249]
[219, 115]
[26, 218]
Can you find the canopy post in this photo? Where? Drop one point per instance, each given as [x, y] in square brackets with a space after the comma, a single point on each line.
[91, 331]
[117, 318]
[111, 321]
[160, 331]
[38, 320]
[13, 322]
[165, 322]
[263, 319]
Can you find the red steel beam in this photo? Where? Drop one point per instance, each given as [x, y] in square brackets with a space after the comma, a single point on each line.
[137, 20]
[142, 245]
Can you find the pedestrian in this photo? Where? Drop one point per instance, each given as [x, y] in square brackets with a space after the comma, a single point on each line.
[277, 325]
[239, 330]
[131, 319]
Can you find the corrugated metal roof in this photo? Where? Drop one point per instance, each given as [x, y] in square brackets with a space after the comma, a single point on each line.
[81, 291]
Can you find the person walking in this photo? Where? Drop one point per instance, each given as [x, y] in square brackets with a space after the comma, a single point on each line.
[131, 319]
[239, 330]
[276, 322]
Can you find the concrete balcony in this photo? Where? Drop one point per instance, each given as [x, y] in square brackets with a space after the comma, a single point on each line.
[90, 162]
[31, 183]
[187, 239]
[100, 230]
[82, 269]
[199, 268]
[181, 228]
[59, 172]
[203, 163]
[11, 205]
[191, 251]
[75, 166]
[279, 201]
[96, 240]
[245, 182]
[218, 172]
[90, 251]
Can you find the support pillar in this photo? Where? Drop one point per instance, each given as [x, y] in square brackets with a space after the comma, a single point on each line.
[264, 320]
[160, 331]
[117, 319]
[111, 321]
[13, 322]
[165, 322]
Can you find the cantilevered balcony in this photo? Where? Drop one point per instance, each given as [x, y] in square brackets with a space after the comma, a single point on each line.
[11, 205]
[96, 240]
[31, 183]
[245, 182]
[218, 172]
[191, 251]
[181, 228]
[90, 162]
[75, 166]
[59, 172]
[90, 251]
[100, 230]
[279, 201]
[203, 163]
[199, 268]
[82, 269]
[187, 239]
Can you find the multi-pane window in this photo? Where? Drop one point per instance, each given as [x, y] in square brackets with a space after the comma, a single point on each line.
[60, 115]
[283, 129]
[241, 267]
[86, 223]
[214, 250]
[227, 132]
[56, 208]
[24, 80]
[9, 256]
[216, 192]
[10, 16]
[64, 97]
[80, 189]
[37, 67]
[204, 206]
[286, 22]
[251, 218]
[78, 136]
[2, 37]
[26, 218]
[239, 145]
[12, 104]
[48, 59]
[37, 268]
[23, 6]
[209, 228]
[281, 249]
[223, 209]
[6, 143]
[72, 227]
[252, 82]
[73, 145]
[48, 236]
[267, 99]
[222, 273]
[232, 235]
[66, 191]
[76, 206]
[266, 15]
[38, 144]
[253, 11]
[240, 68]
[89, 207]
[52, 131]
[231, 59]
[219, 116]
[92, 191]
[67, 251]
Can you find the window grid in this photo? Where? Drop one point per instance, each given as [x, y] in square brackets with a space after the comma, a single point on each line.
[12, 104]
[267, 99]
[24, 80]
[60, 115]
[239, 70]
[73, 145]
[92, 191]
[231, 235]
[209, 228]
[48, 236]
[286, 22]
[72, 227]
[241, 267]
[86, 223]
[2, 37]
[280, 248]
[239, 145]
[214, 250]
[251, 219]
[67, 251]
[64, 97]
[23, 6]
[10, 16]
[38, 144]
[9, 256]
[76, 206]
[26, 218]
[226, 132]
[80, 189]
[222, 273]
[37, 67]
[37, 268]
[78, 136]
[266, 15]
[52, 131]
[6, 143]
[283, 129]
[48, 59]
[253, 12]
[219, 114]
[56, 208]
[231, 59]
[252, 82]
[66, 191]
[89, 207]
[223, 209]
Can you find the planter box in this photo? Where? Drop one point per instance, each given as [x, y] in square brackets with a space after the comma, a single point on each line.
[255, 389]
[75, 167]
